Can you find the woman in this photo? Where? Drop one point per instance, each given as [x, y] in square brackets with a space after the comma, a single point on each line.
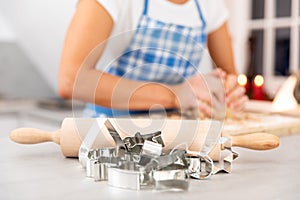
[149, 51]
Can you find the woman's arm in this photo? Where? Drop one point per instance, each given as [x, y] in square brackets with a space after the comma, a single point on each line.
[91, 26]
[220, 48]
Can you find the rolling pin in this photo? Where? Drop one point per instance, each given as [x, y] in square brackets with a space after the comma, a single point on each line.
[73, 131]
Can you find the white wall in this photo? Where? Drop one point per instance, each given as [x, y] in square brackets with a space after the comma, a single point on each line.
[39, 28]
[238, 21]
[6, 33]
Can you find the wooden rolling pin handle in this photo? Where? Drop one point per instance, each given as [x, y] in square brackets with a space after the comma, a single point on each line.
[34, 136]
[256, 141]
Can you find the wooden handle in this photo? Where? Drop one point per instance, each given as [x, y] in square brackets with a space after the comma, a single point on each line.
[256, 141]
[34, 136]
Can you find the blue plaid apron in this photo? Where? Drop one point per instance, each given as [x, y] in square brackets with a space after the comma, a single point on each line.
[158, 52]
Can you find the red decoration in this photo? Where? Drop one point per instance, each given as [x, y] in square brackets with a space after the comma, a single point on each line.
[258, 88]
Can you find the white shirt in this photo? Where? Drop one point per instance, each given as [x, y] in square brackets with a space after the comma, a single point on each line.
[126, 15]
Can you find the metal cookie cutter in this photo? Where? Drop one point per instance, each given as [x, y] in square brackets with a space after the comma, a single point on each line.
[174, 177]
[131, 174]
[120, 149]
[138, 162]
[128, 175]
[88, 141]
[92, 157]
[98, 162]
[134, 144]
[175, 156]
[167, 172]
[172, 172]
[225, 164]
[150, 150]
[200, 167]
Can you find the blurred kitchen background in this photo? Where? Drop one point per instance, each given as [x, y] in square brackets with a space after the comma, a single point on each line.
[265, 36]
[31, 38]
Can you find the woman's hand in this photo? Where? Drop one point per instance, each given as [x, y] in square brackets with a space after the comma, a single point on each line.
[235, 94]
[203, 94]
[209, 94]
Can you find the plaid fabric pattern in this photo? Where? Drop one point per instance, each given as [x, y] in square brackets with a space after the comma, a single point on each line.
[158, 52]
[161, 52]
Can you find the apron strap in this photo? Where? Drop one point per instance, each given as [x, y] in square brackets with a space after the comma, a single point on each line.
[200, 14]
[145, 7]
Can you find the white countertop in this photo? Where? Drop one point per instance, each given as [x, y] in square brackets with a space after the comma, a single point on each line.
[41, 172]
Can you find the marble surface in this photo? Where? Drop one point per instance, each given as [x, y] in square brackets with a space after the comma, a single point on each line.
[41, 172]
